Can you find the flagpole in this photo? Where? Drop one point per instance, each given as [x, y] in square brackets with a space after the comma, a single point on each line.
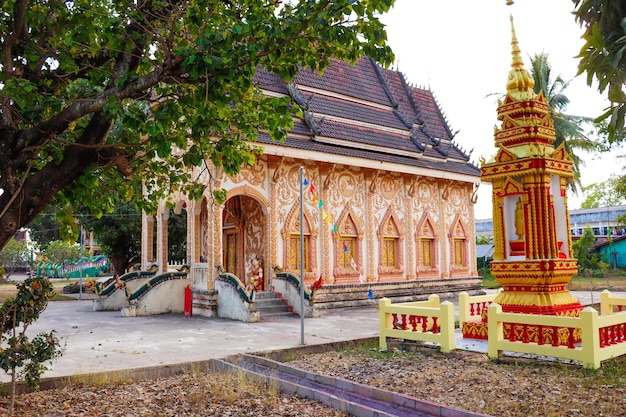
[301, 257]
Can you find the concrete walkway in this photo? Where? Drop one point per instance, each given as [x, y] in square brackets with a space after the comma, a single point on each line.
[97, 341]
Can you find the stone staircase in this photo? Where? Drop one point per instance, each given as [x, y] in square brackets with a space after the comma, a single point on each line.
[270, 305]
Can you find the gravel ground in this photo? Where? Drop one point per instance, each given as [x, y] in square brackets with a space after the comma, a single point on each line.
[507, 388]
[191, 394]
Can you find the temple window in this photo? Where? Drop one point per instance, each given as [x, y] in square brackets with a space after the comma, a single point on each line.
[346, 255]
[390, 246]
[426, 247]
[347, 246]
[459, 246]
[459, 252]
[293, 245]
[426, 252]
[294, 252]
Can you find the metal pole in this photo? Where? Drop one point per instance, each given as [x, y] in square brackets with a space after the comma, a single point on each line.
[80, 281]
[301, 257]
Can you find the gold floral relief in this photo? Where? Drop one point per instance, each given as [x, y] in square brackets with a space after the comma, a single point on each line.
[345, 188]
[285, 195]
[256, 175]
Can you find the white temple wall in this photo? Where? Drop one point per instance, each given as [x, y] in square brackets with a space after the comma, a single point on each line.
[360, 202]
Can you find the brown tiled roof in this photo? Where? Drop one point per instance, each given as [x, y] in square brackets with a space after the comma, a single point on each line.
[369, 112]
[358, 81]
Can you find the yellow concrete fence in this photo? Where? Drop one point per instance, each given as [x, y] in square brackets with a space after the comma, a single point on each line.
[426, 321]
[602, 336]
[472, 307]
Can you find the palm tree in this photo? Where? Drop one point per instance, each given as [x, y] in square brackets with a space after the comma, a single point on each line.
[568, 129]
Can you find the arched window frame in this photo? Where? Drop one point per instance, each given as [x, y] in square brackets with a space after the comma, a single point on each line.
[291, 243]
[350, 232]
[390, 237]
[459, 251]
[426, 235]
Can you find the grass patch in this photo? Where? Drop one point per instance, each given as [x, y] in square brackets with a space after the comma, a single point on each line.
[489, 281]
[9, 289]
[102, 379]
[615, 280]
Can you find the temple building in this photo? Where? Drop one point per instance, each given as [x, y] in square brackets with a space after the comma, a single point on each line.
[388, 200]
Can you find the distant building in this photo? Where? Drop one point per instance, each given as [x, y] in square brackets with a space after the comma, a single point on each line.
[613, 251]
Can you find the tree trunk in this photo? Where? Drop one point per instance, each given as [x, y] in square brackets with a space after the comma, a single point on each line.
[119, 262]
[23, 199]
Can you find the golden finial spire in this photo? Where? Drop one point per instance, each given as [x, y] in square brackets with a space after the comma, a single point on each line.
[520, 82]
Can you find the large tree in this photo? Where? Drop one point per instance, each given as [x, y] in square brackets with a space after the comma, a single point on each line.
[118, 234]
[13, 256]
[603, 56]
[97, 97]
[605, 193]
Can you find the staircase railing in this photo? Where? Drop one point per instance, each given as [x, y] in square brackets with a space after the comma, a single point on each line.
[246, 295]
[139, 292]
[295, 281]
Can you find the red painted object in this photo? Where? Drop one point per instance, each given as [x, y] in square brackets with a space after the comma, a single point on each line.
[187, 306]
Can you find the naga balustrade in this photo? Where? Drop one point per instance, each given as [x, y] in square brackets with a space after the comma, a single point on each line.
[602, 336]
[426, 321]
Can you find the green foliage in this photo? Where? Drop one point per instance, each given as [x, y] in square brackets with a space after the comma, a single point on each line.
[118, 234]
[603, 56]
[583, 251]
[61, 252]
[13, 255]
[484, 240]
[20, 356]
[568, 129]
[45, 228]
[147, 89]
[177, 236]
[604, 194]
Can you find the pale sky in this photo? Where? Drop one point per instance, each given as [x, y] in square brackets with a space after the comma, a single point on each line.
[461, 50]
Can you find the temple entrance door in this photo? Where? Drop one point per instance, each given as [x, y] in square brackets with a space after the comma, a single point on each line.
[245, 241]
[229, 252]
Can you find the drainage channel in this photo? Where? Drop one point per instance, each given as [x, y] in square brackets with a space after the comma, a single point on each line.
[356, 399]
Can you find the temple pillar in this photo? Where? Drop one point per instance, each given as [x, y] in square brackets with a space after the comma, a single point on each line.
[162, 248]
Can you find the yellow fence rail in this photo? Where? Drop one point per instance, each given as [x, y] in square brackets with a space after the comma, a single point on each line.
[602, 337]
[610, 304]
[426, 321]
[472, 307]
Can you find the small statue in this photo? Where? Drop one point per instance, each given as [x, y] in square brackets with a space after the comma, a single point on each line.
[255, 276]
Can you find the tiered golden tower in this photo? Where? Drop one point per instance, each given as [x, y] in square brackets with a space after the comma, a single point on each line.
[533, 247]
